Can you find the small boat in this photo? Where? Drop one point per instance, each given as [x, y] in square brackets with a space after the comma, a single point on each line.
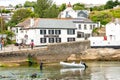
[73, 65]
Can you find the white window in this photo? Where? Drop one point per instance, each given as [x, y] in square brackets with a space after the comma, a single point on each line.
[93, 26]
[58, 40]
[50, 31]
[16, 30]
[70, 39]
[85, 27]
[42, 31]
[51, 40]
[90, 27]
[71, 31]
[57, 31]
[42, 40]
[79, 26]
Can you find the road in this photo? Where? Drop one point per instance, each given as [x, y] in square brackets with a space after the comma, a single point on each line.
[10, 48]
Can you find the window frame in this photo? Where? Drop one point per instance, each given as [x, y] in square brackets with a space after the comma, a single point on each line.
[43, 40]
[42, 31]
[70, 39]
[70, 31]
[51, 40]
[51, 31]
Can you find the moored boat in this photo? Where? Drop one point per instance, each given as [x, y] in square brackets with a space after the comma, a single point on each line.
[73, 65]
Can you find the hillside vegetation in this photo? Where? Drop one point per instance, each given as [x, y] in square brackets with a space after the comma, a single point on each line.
[104, 16]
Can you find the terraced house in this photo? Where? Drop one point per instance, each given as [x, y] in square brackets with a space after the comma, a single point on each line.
[44, 31]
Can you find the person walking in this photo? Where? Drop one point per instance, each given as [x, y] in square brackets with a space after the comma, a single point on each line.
[32, 44]
[0, 45]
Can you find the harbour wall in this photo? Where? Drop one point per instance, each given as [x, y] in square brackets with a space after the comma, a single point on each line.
[52, 53]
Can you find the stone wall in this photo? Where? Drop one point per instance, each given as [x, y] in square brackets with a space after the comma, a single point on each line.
[70, 47]
[53, 53]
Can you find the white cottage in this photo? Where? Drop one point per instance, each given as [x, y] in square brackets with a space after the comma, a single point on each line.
[44, 31]
[70, 13]
[112, 38]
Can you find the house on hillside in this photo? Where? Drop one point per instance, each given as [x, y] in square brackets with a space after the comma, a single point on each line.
[44, 31]
[70, 13]
[7, 16]
[112, 37]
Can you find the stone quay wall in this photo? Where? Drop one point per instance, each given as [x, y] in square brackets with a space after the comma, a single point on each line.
[52, 53]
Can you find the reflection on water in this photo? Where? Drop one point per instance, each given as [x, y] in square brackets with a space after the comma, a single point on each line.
[72, 73]
[64, 70]
[95, 71]
[105, 73]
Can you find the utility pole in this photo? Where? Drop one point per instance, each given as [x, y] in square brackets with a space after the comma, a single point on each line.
[1, 21]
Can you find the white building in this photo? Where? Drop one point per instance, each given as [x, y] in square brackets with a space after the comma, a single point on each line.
[70, 13]
[46, 31]
[112, 38]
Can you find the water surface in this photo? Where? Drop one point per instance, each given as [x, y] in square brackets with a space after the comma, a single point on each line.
[109, 70]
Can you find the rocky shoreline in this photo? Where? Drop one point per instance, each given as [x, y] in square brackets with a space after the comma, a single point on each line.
[99, 54]
[91, 54]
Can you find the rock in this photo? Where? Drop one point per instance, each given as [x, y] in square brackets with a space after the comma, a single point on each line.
[101, 54]
[72, 57]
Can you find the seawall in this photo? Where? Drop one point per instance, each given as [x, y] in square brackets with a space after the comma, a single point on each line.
[52, 53]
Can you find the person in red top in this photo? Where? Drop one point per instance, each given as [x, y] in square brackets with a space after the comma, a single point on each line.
[32, 44]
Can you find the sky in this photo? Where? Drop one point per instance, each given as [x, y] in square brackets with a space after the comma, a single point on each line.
[58, 2]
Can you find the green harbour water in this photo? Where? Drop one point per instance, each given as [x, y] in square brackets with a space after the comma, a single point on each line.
[97, 70]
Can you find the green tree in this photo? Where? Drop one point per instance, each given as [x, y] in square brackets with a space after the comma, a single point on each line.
[62, 7]
[116, 2]
[52, 12]
[109, 4]
[95, 31]
[97, 8]
[29, 4]
[115, 13]
[9, 34]
[41, 7]
[18, 6]
[78, 6]
[103, 16]
[2, 25]
[5, 11]
[19, 16]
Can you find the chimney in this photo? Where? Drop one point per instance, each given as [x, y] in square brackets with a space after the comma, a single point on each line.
[31, 22]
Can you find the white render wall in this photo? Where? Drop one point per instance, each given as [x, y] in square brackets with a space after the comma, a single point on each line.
[114, 30]
[34, 34]
[19, 35]
[70, 12]
[112, 34]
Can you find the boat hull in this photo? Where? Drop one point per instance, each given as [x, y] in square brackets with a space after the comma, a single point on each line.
[72, 65]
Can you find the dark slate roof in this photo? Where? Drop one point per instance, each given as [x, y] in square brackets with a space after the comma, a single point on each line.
[24, 23]
[84, 11]
[51, 23]
[82, 20]
[56, 23]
